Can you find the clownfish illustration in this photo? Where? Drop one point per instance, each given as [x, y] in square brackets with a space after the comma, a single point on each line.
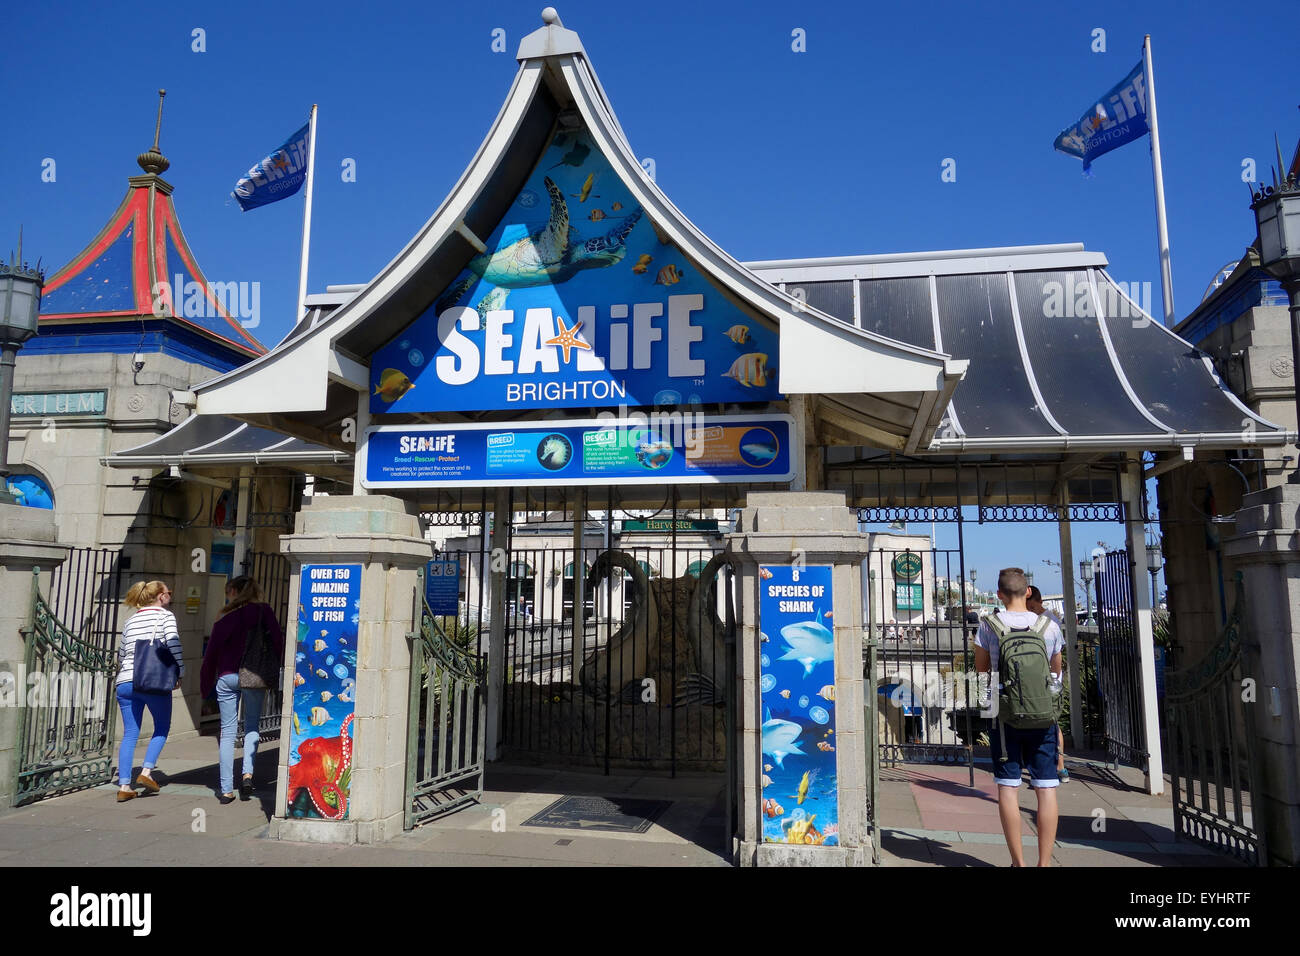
[749, 370]
[393, 384]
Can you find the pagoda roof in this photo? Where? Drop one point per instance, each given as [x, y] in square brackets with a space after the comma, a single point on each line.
[142, 249]
[881, 390]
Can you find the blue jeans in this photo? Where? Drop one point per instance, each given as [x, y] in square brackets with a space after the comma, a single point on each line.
[133, 706]
[228, 694]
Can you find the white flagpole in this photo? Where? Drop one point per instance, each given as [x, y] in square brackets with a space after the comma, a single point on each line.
[1162, 227]
[306, 216]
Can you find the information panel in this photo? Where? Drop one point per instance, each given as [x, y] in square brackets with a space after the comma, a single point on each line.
[442, 586]
[797, 680]
[665, 448]
[324, 691]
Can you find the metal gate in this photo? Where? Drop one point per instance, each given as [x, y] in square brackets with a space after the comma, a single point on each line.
[1212, 760]
[65, 738]
[924, 662]
[1119, 662]
[446, 722]
[271, 572]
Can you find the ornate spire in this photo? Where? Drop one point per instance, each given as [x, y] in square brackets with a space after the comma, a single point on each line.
[153, 161]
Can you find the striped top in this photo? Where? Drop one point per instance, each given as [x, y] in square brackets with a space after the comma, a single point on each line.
[141, 626]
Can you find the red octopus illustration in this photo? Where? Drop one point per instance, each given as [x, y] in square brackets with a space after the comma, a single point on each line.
[321, 765]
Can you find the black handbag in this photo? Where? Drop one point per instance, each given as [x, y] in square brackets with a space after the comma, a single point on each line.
[156, 671]
[259, 668]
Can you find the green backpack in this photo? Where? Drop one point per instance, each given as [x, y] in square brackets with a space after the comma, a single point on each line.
[1026, 700]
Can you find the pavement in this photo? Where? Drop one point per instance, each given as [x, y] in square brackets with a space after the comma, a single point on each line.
[930, 816]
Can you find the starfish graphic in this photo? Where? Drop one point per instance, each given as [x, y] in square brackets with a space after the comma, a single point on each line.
[280, 161]
[567, 339]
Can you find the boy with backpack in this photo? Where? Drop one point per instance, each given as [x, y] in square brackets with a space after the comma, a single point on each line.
[1022, 650]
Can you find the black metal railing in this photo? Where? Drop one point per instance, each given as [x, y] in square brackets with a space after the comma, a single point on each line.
[1119, 663]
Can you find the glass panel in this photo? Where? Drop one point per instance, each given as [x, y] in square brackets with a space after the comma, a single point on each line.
[898, 309]
[994, 400]
[833, 298]
[1069, 358]
[1165, 372]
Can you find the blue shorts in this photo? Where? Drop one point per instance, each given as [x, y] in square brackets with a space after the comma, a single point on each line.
[1032, 750]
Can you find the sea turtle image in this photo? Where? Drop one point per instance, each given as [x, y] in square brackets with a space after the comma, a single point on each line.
[551, 255]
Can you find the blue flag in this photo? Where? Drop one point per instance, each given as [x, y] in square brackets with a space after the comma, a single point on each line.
[276, 177]
[1119, 117]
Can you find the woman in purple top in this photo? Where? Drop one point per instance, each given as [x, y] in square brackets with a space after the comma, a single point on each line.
[245, 608]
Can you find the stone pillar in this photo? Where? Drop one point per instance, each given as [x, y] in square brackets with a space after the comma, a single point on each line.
[1267, 552]
[817, 529]
[27, 542]
[1135, 529]
[382, 535]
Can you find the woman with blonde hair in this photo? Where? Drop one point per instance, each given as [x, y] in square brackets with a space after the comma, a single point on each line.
[246, 615]
[150, 623]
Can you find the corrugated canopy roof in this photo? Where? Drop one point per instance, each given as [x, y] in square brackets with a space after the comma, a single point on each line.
[214, 440]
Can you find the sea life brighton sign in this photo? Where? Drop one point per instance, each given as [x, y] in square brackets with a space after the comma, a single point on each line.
[576, 303]
[661, 448]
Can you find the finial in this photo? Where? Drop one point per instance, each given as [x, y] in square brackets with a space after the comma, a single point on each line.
[153, 161]
[551, 17]
[16, 267]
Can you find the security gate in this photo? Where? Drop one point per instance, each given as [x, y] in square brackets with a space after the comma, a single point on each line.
[1212, 744]
[1119, 662]
[446, 720]
[924, 663]
[271, 572]
[65, 738]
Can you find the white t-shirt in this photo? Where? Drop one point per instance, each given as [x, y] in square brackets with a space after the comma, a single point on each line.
[986, 639]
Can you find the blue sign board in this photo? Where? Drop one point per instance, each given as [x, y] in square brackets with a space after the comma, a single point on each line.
[442, 586]
[576, 302]
[636, 449]
[797, 681]
[324, 691]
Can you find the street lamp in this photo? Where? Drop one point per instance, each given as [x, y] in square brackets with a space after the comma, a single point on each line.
[1085, 572]
[20, 308]
[1154, 563]
[1277, 216]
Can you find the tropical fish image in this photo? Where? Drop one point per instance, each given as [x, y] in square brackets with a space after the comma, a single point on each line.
[759, 451]
[320, 672]
[597, 215]
[325, 696]
[669, 275]
[344, 640]
[298, 679]
[779, 738]
[785, 694]
[550, 255]
[393, 384]
[654, 454]
[749, 370]
[829, 614]
[644, 260]
[574, 157]
[616, 206]
[738, 334]
[767, 768]
[319, 645]
[827, 692]
[297, 727]
[319, 715]
[763, 638]
[767, 781]
[586, 188]
[823, 745]
[764, 573]
[801, 794]
[809, 643]
[772, 809]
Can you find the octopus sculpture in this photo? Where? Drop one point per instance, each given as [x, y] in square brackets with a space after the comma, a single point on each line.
[323, 764]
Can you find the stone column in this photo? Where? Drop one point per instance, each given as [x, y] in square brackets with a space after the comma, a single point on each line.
[1267, 552]
[382, 535]
[27, 542]
[816, 528]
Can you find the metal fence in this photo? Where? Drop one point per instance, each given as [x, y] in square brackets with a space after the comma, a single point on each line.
[271, 572]
[1118, 663]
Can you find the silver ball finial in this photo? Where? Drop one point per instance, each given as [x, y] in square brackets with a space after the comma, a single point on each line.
[551, 17]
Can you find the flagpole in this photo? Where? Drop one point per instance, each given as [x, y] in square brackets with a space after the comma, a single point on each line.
[306, 216]
[1162, 227]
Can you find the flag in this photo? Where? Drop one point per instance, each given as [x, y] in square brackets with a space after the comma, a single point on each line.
[1119, 117]
[278, 176]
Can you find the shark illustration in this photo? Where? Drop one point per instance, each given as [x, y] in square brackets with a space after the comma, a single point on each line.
[810, 644]
[779, 738]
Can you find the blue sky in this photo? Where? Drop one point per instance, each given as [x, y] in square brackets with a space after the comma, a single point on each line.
[773, 153]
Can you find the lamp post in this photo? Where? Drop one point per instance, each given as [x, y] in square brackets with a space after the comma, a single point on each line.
[1085, 572]
[1277, 216]
[1154, 563]
[20, 307]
